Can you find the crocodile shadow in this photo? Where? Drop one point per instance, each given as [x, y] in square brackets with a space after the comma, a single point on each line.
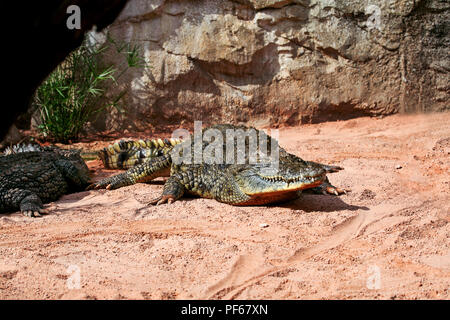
[316, 202]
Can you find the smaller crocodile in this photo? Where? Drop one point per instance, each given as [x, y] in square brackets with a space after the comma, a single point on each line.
[30, 178]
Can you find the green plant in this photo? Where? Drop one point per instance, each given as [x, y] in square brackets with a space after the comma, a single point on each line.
[76, 90]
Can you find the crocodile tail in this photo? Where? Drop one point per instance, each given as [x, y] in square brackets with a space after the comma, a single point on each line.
[127, 154]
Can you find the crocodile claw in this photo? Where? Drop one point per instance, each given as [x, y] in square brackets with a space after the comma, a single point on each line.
[327, 188]
[91, 187]
[102, 184]
[37, 212]
[333, 190]
[162, 199]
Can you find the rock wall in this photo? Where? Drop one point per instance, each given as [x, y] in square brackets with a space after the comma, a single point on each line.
[273, 62]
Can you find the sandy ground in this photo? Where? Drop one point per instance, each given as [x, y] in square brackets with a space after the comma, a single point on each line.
[387, 239]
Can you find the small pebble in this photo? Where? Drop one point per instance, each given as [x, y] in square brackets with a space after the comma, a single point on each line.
[263, 225]
[398, 166]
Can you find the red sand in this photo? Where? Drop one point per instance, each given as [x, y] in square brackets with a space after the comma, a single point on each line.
[387, 239]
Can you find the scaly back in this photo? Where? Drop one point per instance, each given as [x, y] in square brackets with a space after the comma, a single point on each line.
[127, 154]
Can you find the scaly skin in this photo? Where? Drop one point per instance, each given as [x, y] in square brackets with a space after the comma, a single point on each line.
[236, 184]
[29, 179]
[127, 154]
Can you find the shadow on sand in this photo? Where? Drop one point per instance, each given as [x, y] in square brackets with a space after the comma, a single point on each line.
[316, 202]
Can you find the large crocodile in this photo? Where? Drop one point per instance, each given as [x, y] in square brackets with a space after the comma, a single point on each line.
[236, 183]
[30, 178]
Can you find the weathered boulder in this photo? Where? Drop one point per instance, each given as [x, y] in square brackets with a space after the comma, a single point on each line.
[269, 62]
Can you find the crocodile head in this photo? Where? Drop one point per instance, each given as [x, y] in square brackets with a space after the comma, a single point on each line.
[265, 185]
[82, 174]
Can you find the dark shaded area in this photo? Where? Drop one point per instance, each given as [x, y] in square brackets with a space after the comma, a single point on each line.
[325, 203]
[344, 111]
[39, 40]
[260, 70]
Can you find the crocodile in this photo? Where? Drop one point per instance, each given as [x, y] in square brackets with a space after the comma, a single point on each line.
[235, 183]
[31, 176]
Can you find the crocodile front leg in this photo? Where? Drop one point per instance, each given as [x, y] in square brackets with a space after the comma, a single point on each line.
[204, 182]
[27, 201]
[173, 190]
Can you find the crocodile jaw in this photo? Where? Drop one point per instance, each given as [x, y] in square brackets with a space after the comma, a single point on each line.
[263, 188]
[261, 192]
[258, 185]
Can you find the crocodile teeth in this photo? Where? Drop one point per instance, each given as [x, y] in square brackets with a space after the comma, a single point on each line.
[161, 143]
[111, 149]
[142, 143]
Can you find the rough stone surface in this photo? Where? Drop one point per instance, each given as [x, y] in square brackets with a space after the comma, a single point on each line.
[268, 62]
